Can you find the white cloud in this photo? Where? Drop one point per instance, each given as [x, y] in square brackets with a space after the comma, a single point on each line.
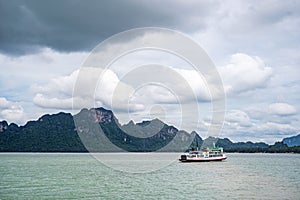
[281, 113]
[268, 132]
[108, 89]
[271, 128]
[237, 118]
[258, 124]
[172, 86]
[58, 92]
[11, 111]
[257, 111]
[173, 71]
[52, 102]
[244, 73]
[22, 76]
[197, 83]
[282, 109]
[87, 87]
[4, 103]
[254, 27]
[45, 64]
[13, 114]
[62, 85]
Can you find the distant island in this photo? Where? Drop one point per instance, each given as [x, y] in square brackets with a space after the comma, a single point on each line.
[58, 133]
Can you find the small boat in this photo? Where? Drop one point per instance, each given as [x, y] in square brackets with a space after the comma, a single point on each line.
[208, 154]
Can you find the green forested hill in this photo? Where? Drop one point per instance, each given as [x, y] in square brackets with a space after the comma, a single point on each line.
[58, 133]
[50, 133]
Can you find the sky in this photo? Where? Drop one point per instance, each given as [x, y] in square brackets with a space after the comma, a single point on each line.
[253, 44]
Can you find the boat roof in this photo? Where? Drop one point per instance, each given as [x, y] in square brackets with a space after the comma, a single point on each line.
[207, 149]
[215, 148]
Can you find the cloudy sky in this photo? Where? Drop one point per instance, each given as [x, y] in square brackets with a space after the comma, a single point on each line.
[253, 44]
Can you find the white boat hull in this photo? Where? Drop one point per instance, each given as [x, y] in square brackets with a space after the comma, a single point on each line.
[202, 159]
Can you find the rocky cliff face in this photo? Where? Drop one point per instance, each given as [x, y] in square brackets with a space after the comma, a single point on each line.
[3, 126]
[100, 131]
[102, 115]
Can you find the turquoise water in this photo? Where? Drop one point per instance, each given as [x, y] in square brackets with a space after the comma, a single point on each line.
[81, 176]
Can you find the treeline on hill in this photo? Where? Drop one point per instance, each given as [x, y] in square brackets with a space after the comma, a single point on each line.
[50, 133]
[282, 148]
[250, 147]
[57, 133]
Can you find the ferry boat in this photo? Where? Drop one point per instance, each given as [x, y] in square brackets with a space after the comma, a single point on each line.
[208, 154]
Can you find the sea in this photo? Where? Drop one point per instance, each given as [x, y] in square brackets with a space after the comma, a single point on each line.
[147, 176]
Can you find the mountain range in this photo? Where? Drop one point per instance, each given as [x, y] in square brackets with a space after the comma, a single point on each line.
[98, 130]
[292, 141]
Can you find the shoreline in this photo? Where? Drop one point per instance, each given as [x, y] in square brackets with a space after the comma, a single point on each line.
[236, 152]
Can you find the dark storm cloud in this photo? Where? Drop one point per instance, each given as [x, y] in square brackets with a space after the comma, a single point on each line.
[72, 25]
